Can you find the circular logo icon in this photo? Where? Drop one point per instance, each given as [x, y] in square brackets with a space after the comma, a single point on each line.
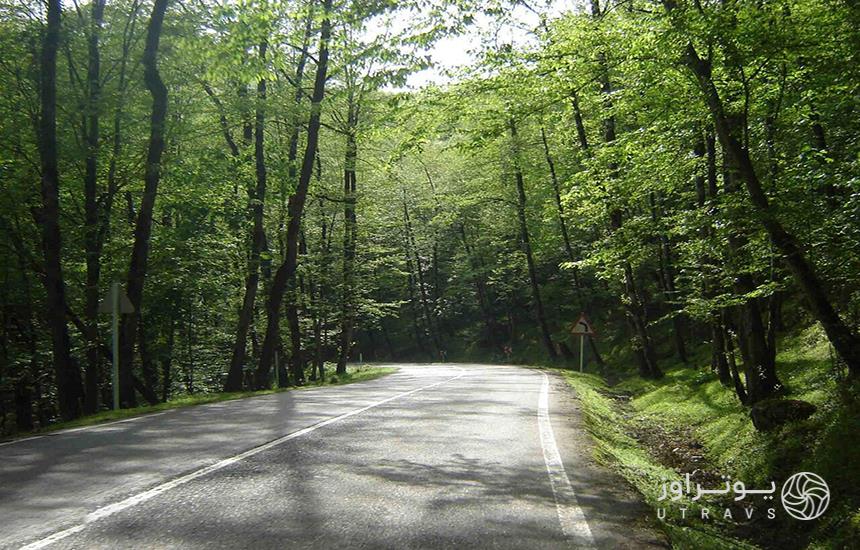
[805, 496]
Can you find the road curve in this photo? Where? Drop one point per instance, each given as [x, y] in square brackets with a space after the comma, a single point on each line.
[433, 456]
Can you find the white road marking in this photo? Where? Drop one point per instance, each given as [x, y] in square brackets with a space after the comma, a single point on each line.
[31, 438]
[139, 498]
[94, 427]
[570, 515]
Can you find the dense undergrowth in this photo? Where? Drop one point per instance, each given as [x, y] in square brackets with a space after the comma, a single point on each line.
[690, 409]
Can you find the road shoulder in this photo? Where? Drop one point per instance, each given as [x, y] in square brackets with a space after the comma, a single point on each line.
[616, 513]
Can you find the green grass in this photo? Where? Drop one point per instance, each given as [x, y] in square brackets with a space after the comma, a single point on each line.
[354, 374]
[691, 400]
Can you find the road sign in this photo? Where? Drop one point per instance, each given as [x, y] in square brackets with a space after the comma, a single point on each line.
[583, 326]
[106, 305]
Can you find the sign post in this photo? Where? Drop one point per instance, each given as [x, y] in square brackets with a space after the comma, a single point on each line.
[114, 327]
[115, 303]
[582, 328]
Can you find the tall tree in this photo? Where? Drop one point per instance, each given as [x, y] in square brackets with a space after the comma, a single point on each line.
[525, 240]
[295, 207]
[68, 377]
[348, 310]
[143, 226]
[256, 200]
[92, 223]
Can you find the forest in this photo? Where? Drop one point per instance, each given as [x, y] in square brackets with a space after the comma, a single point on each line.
[276, 203]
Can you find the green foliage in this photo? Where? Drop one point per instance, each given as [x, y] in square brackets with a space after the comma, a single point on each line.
[691, 400]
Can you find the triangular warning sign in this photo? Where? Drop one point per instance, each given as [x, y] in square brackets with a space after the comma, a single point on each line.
[106, 304]
[583, 326]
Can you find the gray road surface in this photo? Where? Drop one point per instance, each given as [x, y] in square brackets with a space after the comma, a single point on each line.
[434, 456]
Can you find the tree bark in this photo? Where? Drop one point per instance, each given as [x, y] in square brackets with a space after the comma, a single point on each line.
[420, 346]
[412, 246]
[759, 357]
[68, 376]
[295, 207]
[527, 247]
[257, 198]
[634, 305]
[729, 351]
[167, 361]
[667, 280]
[577, 282]
[481, 290]
[296, 361]
[92, 226]
[706, 184]
[348, 313]
[152, 176]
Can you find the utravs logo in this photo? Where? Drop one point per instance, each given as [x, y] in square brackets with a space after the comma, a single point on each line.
[804, 496]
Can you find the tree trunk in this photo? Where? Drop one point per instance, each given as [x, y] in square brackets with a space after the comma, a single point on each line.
[296, 361]
[577, 283]
[152, 176]
[707, 184]
[167, 361]
[295, 207]
[527, 247]
[68, 377]
[23, 404]
[730, 355]
[348, 313]
[667, 281]
[429, 317]
[481, 291]
[149, 378]
[257, 199]
[580, 127]
[759, 357]
[635, 308]
[293, 150]
[92, 226]
[410, 286]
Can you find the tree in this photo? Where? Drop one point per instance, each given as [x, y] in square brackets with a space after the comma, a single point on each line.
[295, 208]
[143, 226]
[67, 374]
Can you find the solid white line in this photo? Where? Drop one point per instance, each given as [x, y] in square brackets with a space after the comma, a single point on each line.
[31, 438]
[570, 515]
[83, 428]
[134, 500]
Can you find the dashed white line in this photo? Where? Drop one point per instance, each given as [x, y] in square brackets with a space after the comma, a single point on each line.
[570, 515]
[134, 500]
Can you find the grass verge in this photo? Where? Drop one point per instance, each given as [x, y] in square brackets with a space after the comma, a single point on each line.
[690, 407]
[353, 374]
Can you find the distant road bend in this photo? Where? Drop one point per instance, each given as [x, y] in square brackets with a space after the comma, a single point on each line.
[433, 456]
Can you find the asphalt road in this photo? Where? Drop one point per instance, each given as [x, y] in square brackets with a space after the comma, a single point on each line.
[433, 456]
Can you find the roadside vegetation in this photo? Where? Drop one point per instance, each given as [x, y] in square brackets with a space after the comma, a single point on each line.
[272, 197]
[654, 432]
